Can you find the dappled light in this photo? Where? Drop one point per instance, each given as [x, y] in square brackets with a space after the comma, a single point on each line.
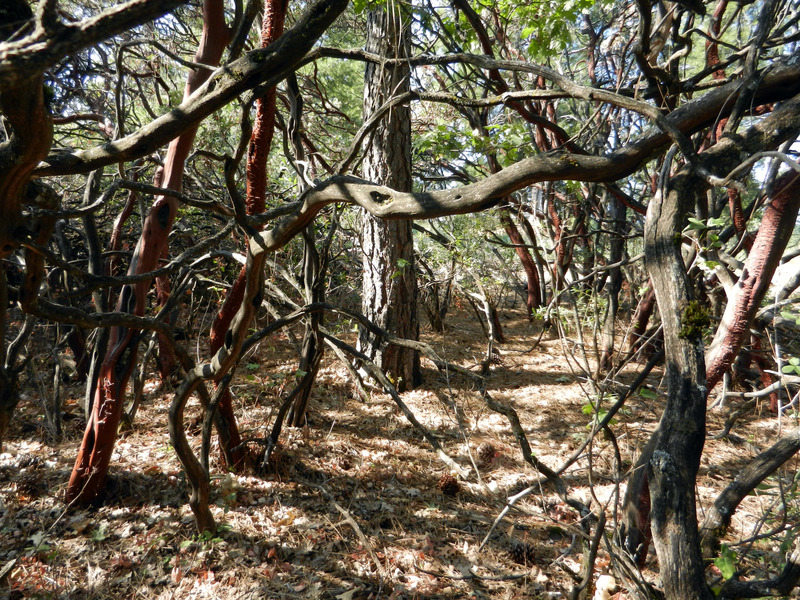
[402, 300]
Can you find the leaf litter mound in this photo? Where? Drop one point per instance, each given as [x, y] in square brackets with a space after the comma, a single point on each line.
[355, 505]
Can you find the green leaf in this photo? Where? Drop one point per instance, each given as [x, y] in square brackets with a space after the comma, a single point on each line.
[696, 224]
[359, 6]
[716, 222]
[647, 394]
[726, 562]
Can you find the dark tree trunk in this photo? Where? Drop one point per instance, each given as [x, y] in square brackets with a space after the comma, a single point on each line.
[226, 419]
[718, 517]
[672, 470]
[100, 298]
[436, 295]
[167, 361]
[680, 435]
[29, 127]
[9, 388]
[617, 213]
[390, 283]
[29, 133]
[312, 350]
[315, 265]
[91, 465]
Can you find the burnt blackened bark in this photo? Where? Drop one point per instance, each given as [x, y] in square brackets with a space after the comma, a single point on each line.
[390, 283]
[718, 517]
[672, 469]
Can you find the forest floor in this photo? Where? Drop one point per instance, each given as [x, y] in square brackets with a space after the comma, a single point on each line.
[356, 510]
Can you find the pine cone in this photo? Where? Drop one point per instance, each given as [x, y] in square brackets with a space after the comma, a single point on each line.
[521, 553]
[486, 454]
[449, 485]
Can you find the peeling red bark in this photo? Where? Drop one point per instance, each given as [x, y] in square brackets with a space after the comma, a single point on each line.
[773, 235]
[712, 47]
[712, 59]
[255, 201]
[534, 299]
[761, 365]
[31, 132]
[91, 465]
[641, 317]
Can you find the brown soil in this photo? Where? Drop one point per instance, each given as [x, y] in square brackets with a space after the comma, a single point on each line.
[358, 508]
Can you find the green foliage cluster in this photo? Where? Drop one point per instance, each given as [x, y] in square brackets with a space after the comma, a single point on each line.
[547, 25]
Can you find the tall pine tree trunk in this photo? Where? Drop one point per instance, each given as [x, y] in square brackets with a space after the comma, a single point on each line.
[390, 283]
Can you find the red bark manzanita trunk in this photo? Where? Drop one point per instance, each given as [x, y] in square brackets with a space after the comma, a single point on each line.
[773, 235]
[255, 200]
[776, 228]
[759, 359]
[91, 465]
[534, 299]
[712, 59]
[29, 133]
[641, 317]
